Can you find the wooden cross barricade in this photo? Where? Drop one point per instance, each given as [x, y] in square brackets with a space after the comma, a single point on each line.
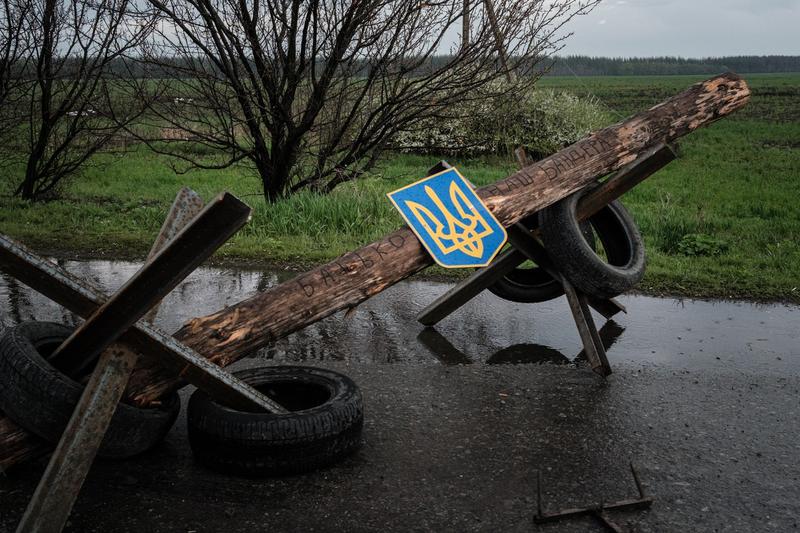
[526, 246]
[115, 337]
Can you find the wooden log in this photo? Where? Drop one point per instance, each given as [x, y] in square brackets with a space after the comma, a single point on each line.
[232, 333]
[352, 278]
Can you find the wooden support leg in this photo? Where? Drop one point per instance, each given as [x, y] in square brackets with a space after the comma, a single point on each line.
[609, 333]
[592, 345]
[468, 289]
[523, 240]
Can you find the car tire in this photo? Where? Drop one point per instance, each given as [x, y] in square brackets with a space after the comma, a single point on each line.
[583, 267]
[40, 398]
[323, 426]
[534, 284]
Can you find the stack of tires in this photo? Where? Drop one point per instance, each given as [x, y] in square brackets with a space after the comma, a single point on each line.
[40, 398]
[572, 247]
[323, 424]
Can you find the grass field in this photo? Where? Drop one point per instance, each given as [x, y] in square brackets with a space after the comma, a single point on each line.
[723, 220]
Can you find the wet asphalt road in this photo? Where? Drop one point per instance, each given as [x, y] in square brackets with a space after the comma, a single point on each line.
[457, 448]
[706, 405]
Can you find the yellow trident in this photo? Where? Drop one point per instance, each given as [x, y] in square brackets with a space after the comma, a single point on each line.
[466, 233]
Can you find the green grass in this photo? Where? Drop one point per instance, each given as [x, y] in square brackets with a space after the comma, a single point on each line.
[734, 185]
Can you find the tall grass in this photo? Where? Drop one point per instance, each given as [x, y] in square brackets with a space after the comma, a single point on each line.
[722, 220]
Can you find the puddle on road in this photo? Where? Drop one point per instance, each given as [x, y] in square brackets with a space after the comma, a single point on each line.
[681, 333]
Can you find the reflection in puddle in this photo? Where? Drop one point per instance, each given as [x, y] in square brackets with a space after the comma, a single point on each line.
[384, 329]
[523, 353]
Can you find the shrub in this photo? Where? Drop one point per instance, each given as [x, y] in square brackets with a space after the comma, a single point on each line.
[543, 122]
[700, 244]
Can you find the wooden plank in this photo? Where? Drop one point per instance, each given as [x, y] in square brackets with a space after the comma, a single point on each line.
[625, 179]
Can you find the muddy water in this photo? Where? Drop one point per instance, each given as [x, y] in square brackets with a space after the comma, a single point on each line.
[734, 336]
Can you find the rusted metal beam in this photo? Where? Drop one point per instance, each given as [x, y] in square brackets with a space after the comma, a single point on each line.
[83, 298]
[187, 205]
[209, 230]
[66, 471]
[52, 502]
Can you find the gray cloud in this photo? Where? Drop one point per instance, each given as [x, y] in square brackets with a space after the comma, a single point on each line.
[689, 28]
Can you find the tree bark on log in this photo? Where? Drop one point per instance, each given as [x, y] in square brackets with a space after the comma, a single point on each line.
[232, 333]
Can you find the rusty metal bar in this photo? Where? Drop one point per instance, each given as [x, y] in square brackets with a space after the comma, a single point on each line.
[597, 510]
[66, 471]
[52, 502]
[83, 298]
[186, 206]
[191, 246]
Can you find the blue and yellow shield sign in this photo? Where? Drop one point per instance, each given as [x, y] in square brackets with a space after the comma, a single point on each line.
[450, 220]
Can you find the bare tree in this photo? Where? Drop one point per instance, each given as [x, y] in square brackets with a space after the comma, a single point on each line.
[309, 92]
[15, 46]
[73, 108]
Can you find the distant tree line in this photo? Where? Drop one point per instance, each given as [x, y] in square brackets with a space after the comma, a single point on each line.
[666, 66]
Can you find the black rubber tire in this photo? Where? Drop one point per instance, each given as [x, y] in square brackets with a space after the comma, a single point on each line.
[533, 285]
[324, 428]
[570, 252]
[40, 398]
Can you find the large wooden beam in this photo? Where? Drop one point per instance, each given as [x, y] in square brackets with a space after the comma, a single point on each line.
[352, 278]
[232, 333]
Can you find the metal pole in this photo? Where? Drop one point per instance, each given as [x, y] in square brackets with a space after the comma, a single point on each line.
[63, 478]
[186, 206]
[194, 244]
[83, 298]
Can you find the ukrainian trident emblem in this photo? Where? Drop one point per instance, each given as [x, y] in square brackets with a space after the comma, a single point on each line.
[450, 220]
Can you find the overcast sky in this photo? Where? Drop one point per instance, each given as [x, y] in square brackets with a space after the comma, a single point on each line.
[688, 28]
